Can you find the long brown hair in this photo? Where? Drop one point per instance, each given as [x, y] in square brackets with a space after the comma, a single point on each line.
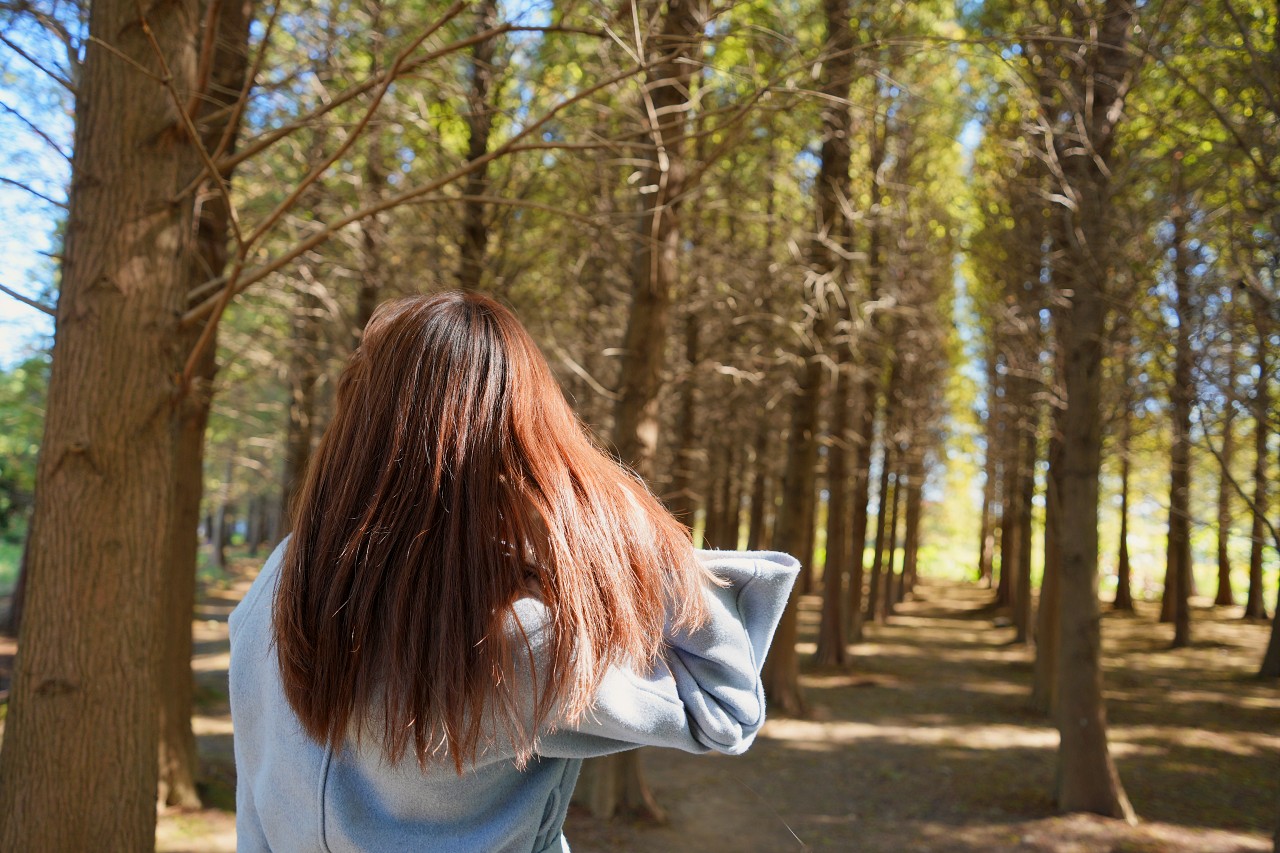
[452, 474]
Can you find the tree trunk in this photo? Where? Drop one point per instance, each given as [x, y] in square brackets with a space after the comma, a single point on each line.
[1087, 777]
[1225, 596]
[13, 624]
[1124, 574]
[614, 784]
[1177, 591]
[1022, 611]
[864, 435]
[832, 640]
[304, 374]
[479, 117]
[1044, 683]
[683, 498]
[794, 533]
[875, 612]
[222, 516]
[829, 251]
[892, 581]
[1255, 606]
[756, 525]
[79, 770]
[987, 527]
[1093, 77]
[178, 757]
[1009, 505]
[911, 536]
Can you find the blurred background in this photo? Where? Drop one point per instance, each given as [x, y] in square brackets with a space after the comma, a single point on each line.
[973, 307]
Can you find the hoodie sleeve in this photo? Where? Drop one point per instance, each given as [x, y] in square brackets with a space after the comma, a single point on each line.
[705, 692]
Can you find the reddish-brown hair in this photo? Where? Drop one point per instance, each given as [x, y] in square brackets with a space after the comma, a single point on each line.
[453, 473]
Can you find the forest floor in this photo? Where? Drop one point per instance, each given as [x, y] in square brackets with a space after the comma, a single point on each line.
[926, 743]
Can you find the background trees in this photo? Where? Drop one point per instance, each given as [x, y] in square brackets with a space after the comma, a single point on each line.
[778, 254]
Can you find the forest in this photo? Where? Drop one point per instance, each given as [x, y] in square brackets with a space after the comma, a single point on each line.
[973, 306]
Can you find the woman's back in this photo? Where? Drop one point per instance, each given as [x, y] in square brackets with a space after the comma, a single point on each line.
[395, 681]
[295, 794]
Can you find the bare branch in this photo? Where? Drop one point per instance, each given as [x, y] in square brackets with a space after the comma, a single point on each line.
[26, 300]
[237, 284]
[49, 140]
[58, 78]
[19, 185]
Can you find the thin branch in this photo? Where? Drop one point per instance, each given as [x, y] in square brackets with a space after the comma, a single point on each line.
[581, 372]
[238, 285]
[209, 167]
[49, 140]
[18, 184]
[1239, 490]
[266, 141]
[237, 107]
[27, 300]
[205, 67]
[64, 82]
[388, 78]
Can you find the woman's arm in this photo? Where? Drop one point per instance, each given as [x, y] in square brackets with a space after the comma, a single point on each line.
[705, 693]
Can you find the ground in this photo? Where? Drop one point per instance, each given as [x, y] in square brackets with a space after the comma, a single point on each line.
[926, 743]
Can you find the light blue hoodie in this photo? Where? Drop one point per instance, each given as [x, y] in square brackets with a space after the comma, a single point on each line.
[295, 795]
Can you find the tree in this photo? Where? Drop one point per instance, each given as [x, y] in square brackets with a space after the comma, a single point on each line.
[1095, 70]
[83, 718]
[614, 782]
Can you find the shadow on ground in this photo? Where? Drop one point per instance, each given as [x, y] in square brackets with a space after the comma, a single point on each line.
[925, 744]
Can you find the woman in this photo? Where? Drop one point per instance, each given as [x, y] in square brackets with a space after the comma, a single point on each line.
[473, 599]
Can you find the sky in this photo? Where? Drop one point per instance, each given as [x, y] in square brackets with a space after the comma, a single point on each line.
[31, 104]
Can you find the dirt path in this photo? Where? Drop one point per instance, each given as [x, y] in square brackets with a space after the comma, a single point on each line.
[925, 745]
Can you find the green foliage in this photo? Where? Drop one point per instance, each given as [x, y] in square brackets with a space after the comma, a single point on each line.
[22, 395]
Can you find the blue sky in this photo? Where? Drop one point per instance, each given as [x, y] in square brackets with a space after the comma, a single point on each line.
[27, 223]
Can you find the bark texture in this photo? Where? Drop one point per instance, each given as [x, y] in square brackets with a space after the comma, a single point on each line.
[1096, 75]
[79, 769]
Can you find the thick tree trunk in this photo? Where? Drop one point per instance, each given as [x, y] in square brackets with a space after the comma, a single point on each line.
[475, 230]
[79, 765]
[1087, 778]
